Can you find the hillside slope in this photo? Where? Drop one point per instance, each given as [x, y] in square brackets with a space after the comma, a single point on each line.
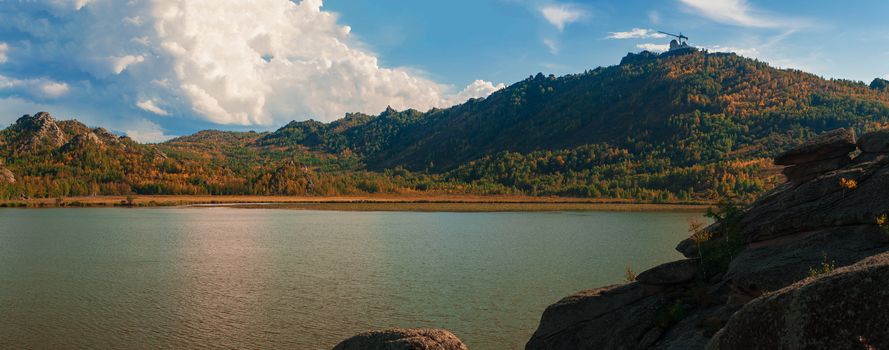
[680, 105]
[656, 127]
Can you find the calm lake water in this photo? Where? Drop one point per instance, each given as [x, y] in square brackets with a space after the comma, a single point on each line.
[262, 279]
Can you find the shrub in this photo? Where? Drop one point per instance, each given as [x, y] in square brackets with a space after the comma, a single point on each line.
[883, 222]
[629, 274]
[848, 184]
[718, 247]
[825, 267]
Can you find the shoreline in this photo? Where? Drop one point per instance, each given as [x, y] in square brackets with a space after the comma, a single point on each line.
[415, 203]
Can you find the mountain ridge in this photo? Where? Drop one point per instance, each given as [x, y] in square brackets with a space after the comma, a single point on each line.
[655, 127]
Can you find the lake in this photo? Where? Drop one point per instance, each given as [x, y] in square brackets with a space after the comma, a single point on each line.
[274, 278]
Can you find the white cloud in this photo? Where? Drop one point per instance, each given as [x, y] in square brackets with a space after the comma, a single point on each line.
[740, 13]
[552, 45]
[478, 88]
[4, 48]
[118, 64]
[36, 89]
[751, 52]
[562, 15]
[636, 33]
[654, 47]
[75, 5]
[263, 62]
[151, 106]
[51, 89]
[145, 131]
[256, 63]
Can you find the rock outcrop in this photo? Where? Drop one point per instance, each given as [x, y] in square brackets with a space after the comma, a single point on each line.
[38, 132]
[609, 317]
[403, 339]
[879, 84]
[6, 176]
[821, 154]
[874, 142]
[106, 136]
[84, 140]
[843, 309]
[752, 287]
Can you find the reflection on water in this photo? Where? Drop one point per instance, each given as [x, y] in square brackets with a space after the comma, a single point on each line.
[236, 278]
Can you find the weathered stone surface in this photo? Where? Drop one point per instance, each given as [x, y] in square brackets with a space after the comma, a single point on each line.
[772, 265]
[615, 317]
[821, 203]
[807, 171]
[38, 132]
[688, 247]
[6, 176]
[694, 331]
[84, 140]
[879, 84]
[874, 142]
[403, 339]
[832, 144]
[844, 309]
[675, 272]
[106, 136]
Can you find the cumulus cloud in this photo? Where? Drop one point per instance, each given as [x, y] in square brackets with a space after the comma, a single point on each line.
[37, 89]
[478, 88]
[636, 33]
[654, 47]
[118, 64]
[151, 106]
[740, 13]
[231, 62]
[561, 15]
[143, 130]
[4, 48]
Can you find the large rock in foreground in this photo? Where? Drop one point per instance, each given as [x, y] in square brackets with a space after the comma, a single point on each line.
[821, 154]
[403, 339]
[829, 145]
[603, 318]
[874, 142]
[844, 309]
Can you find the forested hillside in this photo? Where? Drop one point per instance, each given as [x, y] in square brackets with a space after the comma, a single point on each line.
[656, 127]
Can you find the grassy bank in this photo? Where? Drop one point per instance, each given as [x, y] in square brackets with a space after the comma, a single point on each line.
[455, 203]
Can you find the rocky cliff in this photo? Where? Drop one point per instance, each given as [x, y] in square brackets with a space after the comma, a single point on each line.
[37, 132]
[805, 266]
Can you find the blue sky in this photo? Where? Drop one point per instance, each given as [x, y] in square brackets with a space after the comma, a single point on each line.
[154, 69]
[504, 40]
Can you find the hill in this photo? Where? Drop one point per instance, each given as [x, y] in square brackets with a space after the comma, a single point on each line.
[656, 127]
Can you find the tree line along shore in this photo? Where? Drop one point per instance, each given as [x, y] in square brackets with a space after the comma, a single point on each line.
[456, 203]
